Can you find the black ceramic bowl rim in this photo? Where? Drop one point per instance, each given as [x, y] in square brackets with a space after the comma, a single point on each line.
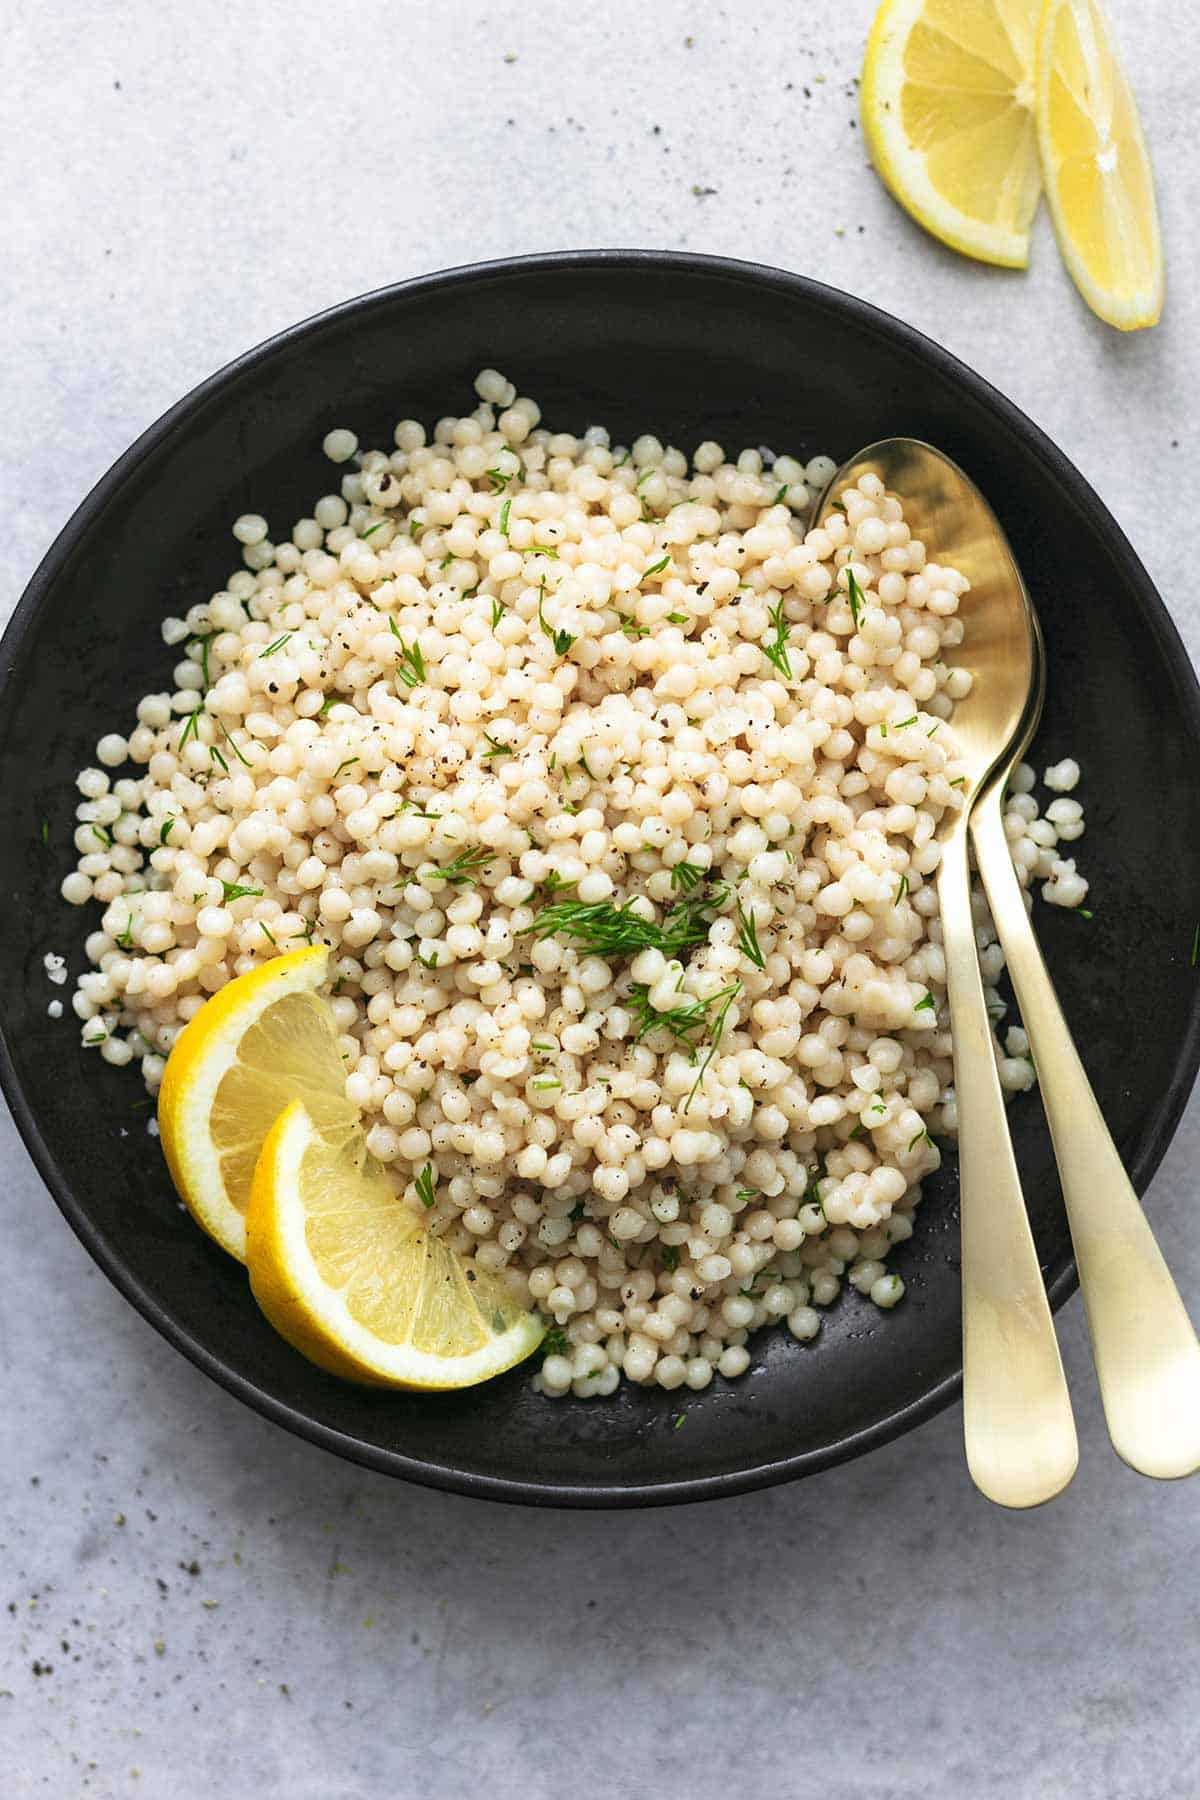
[1057, 469]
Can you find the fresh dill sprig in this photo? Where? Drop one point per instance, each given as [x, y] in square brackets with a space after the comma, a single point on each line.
[425, 1183]
[748, 937]
[504, 512]
[776, 651]
[925, 1005]
[631, 628]
[166, 828]
[562, 640]
[679, 618]
[232, 745]
[498, 611]
[718, 1032]
[267, 933]
[348, 764]
[428, 962]
[657, 567]
[685, 1023]
[463, 870]
[498, 479]
[857, 597]
[685, 876]
[278, 644]
[497, 749]
[781, 496]
[231, 891]
[901, 890]
[191, 728]
[103, 834]
[214, 755]
[370, 532]
[411, 667]
[602, 929]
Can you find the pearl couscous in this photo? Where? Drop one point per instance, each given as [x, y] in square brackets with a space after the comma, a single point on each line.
[614, 791]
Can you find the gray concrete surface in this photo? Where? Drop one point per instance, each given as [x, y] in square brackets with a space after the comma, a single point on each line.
[197, 1604]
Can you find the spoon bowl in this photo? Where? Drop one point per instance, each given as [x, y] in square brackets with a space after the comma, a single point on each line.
[946, 511]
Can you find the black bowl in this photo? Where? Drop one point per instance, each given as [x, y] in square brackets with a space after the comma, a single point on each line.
[688, 347]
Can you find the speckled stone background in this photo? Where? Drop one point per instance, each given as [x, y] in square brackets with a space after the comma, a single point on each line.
[192, 1603]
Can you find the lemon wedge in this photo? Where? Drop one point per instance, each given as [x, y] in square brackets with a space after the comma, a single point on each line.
[261, 1041]
[1098, 177]
[345, 1270]
[948, 94]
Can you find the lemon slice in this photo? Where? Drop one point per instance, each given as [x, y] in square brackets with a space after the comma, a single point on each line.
[258, 1043]
[346, 1271]
[1098, 177]
[948, 95]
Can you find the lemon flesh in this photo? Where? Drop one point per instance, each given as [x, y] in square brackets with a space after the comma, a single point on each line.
[1099, 182]
[948, 96]
[254, 1046]
[346, 1271]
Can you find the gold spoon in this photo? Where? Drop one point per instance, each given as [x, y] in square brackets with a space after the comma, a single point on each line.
[1146, 1352]
[1017, 1422]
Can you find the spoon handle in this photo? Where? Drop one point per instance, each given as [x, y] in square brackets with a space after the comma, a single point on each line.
[1017, 1421]
[1147, 1356]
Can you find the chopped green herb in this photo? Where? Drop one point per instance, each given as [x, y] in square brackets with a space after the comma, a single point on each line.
[670, 1257]
[858, 1130]
[658, 567]
[901, 890]
[415, 525]
[103, 834]
[329, 701]
[543, 550]
[125, 938]
[748, 937]
[267, 933]
[370, 532]
[497, 749]
[166, 828]
[776, 651]
[718, 1032]
[679, 618]
[1085, 913]
[857, 597]
[781, 496]
[233, 746]
[925, 1005]
[411, 666]
[602, 929]
[905, 722]
[1195, 945]
[959, 781]
[622, 460]
[44, 833]
[203, 642]
[504, 512]
[214, 755]
[231, 891]
[631, 628]
[554, 1343]
[498, 480]
[463, 870]
[678, 1421]
[446, 560]
[685, 875]
[542, 1045]
[544, 1084]
[428, 962]
[280, 641]
[683, 1022]
[191, 728]
[498, 612]
[914, 1141]
[348, 764]
[100, 1037]
[562, 640]
[933, 728]
[425, 1183]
